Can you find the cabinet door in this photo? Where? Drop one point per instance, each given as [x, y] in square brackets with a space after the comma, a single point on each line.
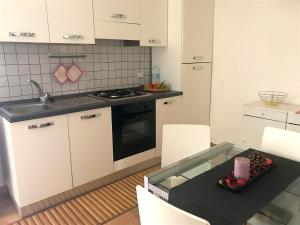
[91, 145]
[167, 112]
[253, 129]
[23, 21]
[71, 21]
[197, 30]
[41, 158]
[293, 127]
[154, 22]
[122, 11]
[196, 87]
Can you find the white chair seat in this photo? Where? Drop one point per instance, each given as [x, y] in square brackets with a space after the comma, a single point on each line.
[282, 143]
[154, 211]
[181, 140]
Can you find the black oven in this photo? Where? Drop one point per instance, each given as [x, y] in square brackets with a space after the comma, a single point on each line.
[133, 128]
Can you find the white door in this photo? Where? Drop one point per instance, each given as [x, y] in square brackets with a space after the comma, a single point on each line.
[154, 22]
[71, 21]
[91, 145]
[253, 129]
[167, 112]
[198, 22]
[39, 150]
[196, 87]
[121, 11]
[23, 21]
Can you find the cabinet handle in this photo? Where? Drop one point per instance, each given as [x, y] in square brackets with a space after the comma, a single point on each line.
[21, 34]
[73, 36]
[197, 68]
[42, 125]
[153, 41]
[86, 117]
[169, 102]
[197, 57]
[118, 16]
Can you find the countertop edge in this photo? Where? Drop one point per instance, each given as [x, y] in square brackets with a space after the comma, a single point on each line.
[62, 111]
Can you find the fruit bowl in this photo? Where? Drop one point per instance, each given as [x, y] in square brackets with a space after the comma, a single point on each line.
[259, 165]
[157, 87]
[272, 98]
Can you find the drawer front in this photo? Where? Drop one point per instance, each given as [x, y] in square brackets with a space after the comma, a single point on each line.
[266, 114]
[293, 118]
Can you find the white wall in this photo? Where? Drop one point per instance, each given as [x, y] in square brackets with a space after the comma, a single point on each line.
[256, 47]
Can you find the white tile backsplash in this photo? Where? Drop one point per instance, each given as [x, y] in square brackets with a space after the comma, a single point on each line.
[107, 65]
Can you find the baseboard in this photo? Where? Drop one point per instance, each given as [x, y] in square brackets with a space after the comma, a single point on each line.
[77, 191]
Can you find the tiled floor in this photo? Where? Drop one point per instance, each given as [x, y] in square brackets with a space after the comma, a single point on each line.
[8, 214]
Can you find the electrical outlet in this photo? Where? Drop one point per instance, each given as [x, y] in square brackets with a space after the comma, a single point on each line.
[140, 74]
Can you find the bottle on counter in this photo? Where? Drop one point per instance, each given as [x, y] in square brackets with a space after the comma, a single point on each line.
[155, 77]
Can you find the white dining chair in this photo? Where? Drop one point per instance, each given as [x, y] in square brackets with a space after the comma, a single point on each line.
[154, 211]
[282, 143]
[182, 140]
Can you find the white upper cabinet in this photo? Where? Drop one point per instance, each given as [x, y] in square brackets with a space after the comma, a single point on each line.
[71, 21]
[121, 11]
[117, 19]
[154, 22]
[198, 18]
[23, 21]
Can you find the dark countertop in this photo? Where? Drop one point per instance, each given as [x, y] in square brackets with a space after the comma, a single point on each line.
[60, 109]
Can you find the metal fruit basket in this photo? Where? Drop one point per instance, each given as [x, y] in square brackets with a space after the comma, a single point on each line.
[272, 97]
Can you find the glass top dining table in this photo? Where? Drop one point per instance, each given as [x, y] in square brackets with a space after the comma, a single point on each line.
[283, 209]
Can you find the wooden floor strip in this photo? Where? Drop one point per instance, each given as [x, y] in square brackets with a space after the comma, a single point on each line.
[94, 208]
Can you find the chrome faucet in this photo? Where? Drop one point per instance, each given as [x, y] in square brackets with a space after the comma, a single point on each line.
[43, 96]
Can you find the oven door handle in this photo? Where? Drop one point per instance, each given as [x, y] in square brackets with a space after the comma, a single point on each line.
[137, 114]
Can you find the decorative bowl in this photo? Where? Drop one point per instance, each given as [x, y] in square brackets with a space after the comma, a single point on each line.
[272, 98]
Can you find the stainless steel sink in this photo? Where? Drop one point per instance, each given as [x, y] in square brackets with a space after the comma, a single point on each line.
[25, 108]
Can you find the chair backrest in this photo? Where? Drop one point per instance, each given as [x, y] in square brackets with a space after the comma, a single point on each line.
[280, 142]
[180, 141]
[154, 211]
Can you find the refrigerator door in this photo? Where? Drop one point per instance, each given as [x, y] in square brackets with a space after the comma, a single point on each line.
[196, 87]
[198, 19]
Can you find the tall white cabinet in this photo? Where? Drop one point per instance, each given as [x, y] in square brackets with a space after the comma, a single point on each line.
[23, 21]
[186, 63]
[196, 79]
[197, 29]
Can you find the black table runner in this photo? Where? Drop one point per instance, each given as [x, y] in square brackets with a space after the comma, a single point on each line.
[202, 197]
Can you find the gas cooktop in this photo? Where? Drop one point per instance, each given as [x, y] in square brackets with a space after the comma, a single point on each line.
[120, 94]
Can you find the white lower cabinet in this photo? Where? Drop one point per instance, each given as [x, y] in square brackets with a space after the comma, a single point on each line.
[39, 158]
[90, 135]
[167, 112]
[257, 116]
[253, 129]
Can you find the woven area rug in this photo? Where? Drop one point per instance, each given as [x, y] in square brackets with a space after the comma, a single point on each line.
[93, 208]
